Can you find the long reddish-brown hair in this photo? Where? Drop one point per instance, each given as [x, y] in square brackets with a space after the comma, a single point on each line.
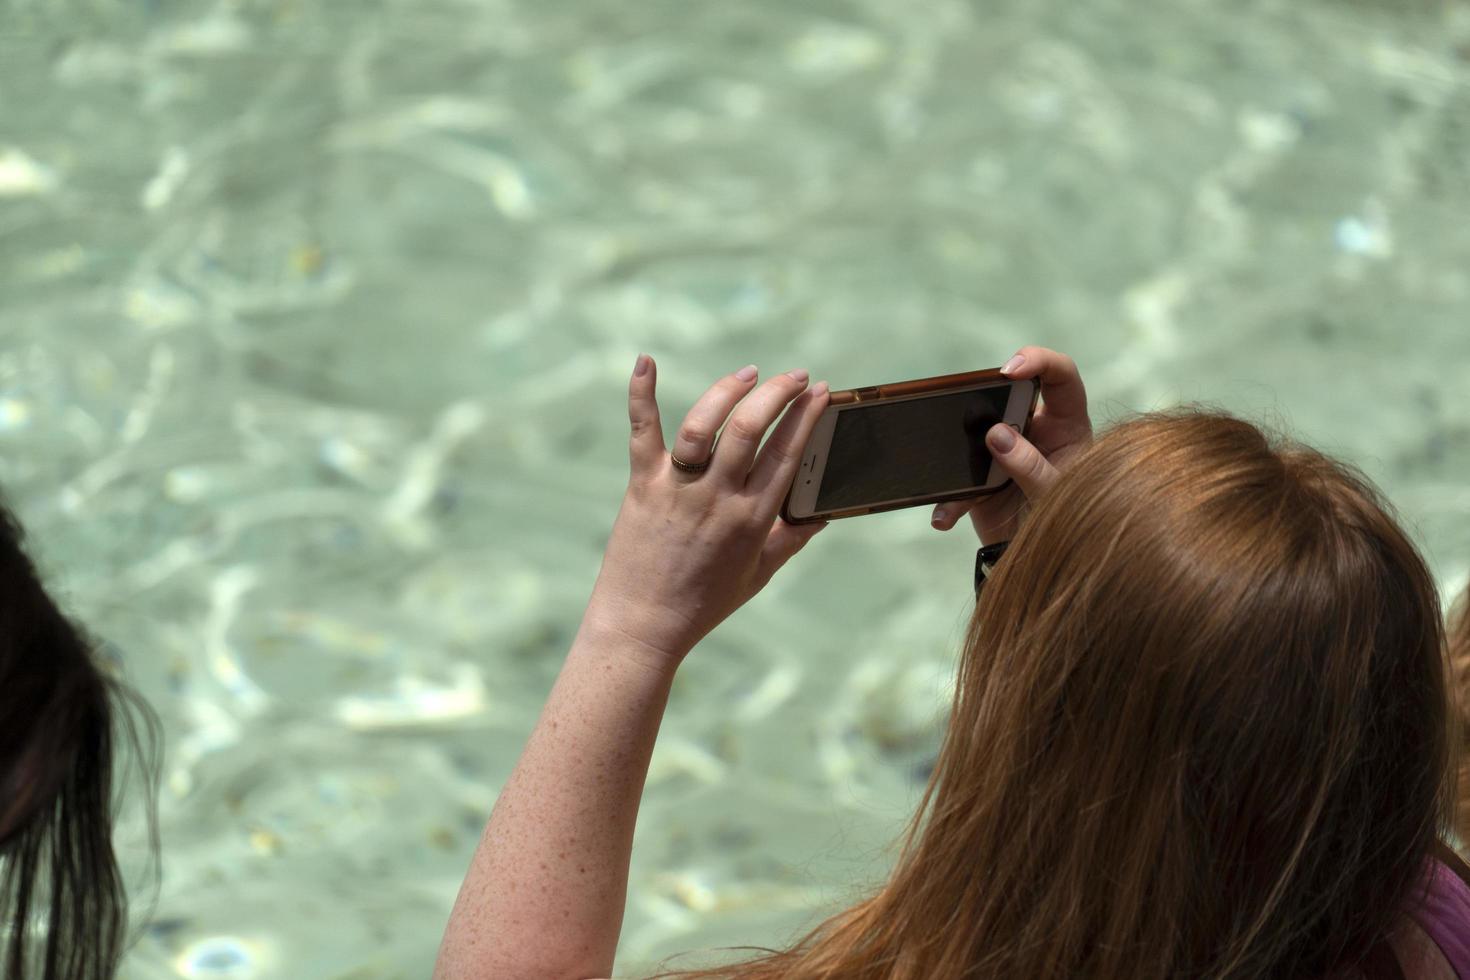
[1201, 729]
[1459, 639]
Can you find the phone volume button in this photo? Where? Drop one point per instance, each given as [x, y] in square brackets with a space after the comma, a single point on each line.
[862, 394]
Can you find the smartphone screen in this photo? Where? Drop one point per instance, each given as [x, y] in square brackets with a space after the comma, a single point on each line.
[890, 450]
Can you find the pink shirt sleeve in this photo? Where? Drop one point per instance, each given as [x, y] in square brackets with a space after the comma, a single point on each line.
[1445, 915]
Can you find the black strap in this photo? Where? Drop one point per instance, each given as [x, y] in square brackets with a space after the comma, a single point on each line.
[1452, 859]
[985, 558]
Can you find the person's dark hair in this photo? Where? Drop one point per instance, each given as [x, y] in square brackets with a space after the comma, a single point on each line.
[63, 905]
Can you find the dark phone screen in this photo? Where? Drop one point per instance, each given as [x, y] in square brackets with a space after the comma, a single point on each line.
[889, 450]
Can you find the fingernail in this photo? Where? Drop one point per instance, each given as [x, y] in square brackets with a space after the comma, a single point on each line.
[939, 518]
[798, 375]
[746, 373]
[1003, 438]
[819, 389]
[640, 366]
[1012, 364]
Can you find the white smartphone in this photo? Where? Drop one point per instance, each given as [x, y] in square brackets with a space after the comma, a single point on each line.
[906, 444]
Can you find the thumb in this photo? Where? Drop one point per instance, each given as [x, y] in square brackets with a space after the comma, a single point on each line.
[1020, 460]
[783, 541]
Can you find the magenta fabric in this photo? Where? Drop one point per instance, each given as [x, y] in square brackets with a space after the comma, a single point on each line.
[1445, 916]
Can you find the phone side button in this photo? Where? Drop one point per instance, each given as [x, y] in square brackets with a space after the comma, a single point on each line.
[862, 394]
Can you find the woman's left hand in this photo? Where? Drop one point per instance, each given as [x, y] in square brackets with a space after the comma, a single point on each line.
[688, 549]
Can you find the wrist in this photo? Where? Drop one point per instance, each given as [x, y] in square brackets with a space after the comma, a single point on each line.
[646, 636]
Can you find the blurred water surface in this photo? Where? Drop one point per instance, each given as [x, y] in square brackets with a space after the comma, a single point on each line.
[316, 320]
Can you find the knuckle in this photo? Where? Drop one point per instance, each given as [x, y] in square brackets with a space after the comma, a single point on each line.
[694, 432]
[746, 507]
[1028, 460]
[781, 452]
[744, 428]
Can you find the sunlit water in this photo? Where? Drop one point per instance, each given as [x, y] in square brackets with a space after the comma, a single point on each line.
[316, 320]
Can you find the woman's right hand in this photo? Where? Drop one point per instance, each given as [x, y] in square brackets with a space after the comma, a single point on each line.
[1059, 431]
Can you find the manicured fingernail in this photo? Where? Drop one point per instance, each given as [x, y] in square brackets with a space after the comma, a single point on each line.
[746, 373]
[640, 366]
[1003, 438]
[819, 389]
[1012, 364]
[798, 375]
[940, 516]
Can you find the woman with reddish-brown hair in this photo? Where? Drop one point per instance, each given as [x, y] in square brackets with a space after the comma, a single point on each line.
[1202, 723]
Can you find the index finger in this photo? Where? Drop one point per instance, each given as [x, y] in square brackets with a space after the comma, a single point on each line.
[1061, 383]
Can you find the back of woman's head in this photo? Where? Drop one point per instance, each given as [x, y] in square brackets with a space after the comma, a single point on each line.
[1200, 729]
[62, 902]
[1202, 720]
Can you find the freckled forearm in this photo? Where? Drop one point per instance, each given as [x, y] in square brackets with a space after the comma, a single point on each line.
[545, 891]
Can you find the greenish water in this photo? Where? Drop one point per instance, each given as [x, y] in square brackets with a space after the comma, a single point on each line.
[315, 326]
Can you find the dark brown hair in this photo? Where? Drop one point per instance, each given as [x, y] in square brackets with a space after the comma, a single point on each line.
[63, 907]
[1200, 729]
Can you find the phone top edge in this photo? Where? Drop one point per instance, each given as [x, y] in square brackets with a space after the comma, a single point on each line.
[843, 396]
[818, 443]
